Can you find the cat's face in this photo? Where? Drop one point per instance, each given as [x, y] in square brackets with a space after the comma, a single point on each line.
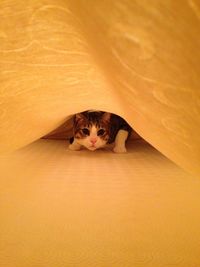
[91, 129]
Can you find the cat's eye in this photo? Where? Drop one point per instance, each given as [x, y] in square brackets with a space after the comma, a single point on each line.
[101, 132]
[85, 131]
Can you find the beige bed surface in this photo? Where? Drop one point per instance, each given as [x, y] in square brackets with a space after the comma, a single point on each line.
[97, 209]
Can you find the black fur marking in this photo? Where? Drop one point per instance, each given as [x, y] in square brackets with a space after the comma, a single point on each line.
[71, 140]
[117, 123]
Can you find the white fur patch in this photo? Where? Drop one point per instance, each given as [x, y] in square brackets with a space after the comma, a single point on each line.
[120, 142]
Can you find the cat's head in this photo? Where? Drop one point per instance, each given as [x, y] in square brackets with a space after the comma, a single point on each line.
[92, 129]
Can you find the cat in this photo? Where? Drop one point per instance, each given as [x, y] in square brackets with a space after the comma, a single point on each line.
[95, 129]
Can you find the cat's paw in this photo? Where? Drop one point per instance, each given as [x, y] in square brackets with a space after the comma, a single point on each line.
[74, 147]
[119, 149]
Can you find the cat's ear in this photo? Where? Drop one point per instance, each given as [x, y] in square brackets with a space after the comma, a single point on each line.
[79, 116]
[106, 116]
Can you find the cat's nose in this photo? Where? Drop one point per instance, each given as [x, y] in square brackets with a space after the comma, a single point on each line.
[93, 140]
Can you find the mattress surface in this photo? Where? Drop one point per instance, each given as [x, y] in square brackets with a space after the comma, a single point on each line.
[97, 209]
